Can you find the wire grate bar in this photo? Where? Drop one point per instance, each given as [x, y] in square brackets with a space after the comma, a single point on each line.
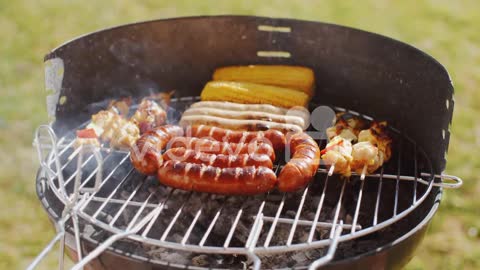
[51, 163]
[112, 193]
[140, 210]
[234, 226]
[274, 223]
[190, 228]
[303, 222]
[297, 216]
[94, 172]
[78, 170]
[337, 209]
[174, 219]
[397, 182]
[93, 197]
[357, 208]
[391, 176]
[210, 227]
[120, 211]
[161, 205]
[379, 194]
[256, 220]
[318, 211]
[415, 173]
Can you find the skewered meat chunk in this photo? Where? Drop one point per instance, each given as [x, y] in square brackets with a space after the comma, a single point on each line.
[348, 126]
[364, 153]
[377, 134]
[115, 129]
[149, 115]
[338, 153]
[120, 107]
[373, 148]
[86, 137]
[125, 135]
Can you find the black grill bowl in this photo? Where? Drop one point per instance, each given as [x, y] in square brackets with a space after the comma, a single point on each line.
[354, 69]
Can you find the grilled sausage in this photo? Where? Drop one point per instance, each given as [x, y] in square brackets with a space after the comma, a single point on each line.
[229, 181]
[302, 166]
[247, 115]
[238, 124]
[215, 147]
[145, 153]
[274, 137]
[220, 160]
[232, 106]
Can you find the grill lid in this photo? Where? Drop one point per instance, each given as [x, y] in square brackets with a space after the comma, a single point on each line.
[354, 69]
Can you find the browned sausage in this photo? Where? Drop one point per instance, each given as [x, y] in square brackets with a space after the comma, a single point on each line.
[145, 153]
[302, 166]
[229, 181]
[215, 147]
[275, 137]
[220, 160]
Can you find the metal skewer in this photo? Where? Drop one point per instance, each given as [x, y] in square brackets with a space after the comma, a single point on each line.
[330, 171]
[364, 171]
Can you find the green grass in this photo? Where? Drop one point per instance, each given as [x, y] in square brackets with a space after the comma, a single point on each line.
[448, 30]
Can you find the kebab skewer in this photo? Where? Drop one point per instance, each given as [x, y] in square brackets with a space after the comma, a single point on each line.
[372, 149]
[112, 126]
[338, 152]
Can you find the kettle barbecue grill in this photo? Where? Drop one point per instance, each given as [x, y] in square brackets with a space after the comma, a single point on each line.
[108, 216]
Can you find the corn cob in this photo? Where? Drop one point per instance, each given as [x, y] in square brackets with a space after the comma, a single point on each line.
[293, 77]
[252, 93]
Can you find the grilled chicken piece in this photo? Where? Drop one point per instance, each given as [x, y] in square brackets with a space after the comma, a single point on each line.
[148, 116]
[378, 136]
[125, 135]
[373, 148]
[338, 153]
[115, 129]
[347, 126]
[120, 107]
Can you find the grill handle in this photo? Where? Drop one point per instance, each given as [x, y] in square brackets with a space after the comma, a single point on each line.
[114, 238]
[448, 181]
[59, 237]
[42, 134]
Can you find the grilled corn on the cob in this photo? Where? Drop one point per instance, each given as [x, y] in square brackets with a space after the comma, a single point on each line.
[293, 77]
[252, 93]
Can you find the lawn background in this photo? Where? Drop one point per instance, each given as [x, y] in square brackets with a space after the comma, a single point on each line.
[448, 30]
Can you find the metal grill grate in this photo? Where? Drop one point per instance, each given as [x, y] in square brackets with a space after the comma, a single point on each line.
[329, 210]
